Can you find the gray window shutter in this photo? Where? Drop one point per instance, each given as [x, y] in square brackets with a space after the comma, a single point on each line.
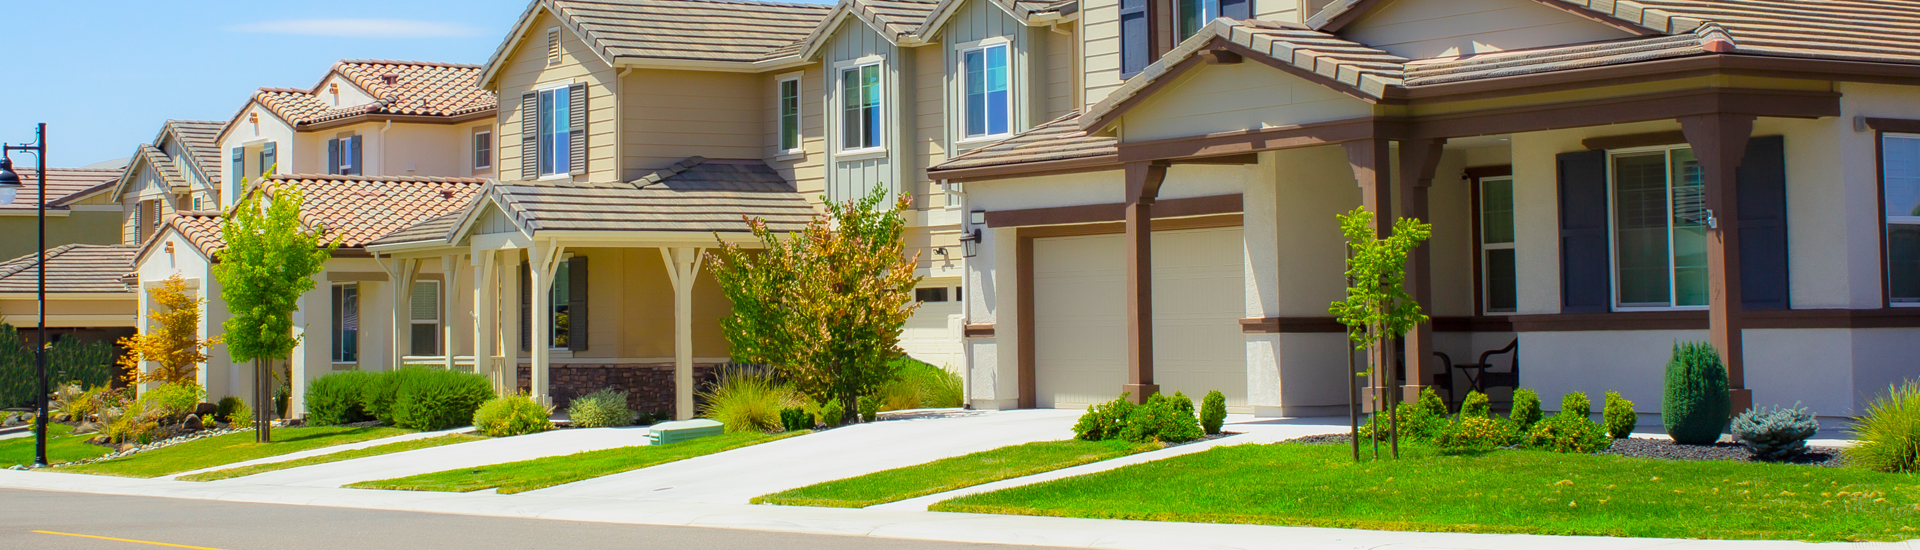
[577, 303]
[577, 128]
[526, 308]
[269, 159]
[1238, 10]
[1135, 40]
[333, 156]
[1762, 184]
[1585, 274]
[358, 160]
[239, 175]
[530, 136]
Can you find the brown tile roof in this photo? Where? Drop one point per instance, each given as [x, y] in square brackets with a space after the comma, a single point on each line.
[63, 185]
[419, 89]
[432, 229]
[1853, 30]
[701, 30]
[698, 195]
[360, 209]
[73, 268]
[201, 140]
[1058, 139]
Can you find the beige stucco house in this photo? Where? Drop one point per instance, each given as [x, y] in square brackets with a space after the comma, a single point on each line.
[1603, 179]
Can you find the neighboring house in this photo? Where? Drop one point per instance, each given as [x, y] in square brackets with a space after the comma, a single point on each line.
[85, 298]
[178, 171]
[79, 210]
[1603, 179]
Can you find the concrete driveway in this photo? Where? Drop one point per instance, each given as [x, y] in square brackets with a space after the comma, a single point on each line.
[908, 438]
[448, 457]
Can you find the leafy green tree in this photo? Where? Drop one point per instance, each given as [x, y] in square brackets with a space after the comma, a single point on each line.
[826, 305]
[1377, 309]
[269, 262]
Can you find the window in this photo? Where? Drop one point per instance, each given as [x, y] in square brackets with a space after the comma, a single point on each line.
[860, 109]
[1659, 229]
[790, 114]
[482, 149]
[984, 77]
[556, 132]
[196, 203]
[557, 301]
[1497, 268]
[1195, 14]
[934, 294]
[343, 155]
[426, 318]
[1900, 176]
[346, 323]
[956, 293]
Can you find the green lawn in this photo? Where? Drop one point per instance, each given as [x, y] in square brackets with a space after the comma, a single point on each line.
[953, 473]
[1498, 492]
[231, 448]
[540, 473]
[333, 457]
[61, 447]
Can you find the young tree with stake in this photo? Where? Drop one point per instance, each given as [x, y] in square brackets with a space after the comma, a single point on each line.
[1377, 310]
[269, 261]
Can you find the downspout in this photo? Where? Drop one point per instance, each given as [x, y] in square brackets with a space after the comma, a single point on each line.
[966, 310]
[383, 146]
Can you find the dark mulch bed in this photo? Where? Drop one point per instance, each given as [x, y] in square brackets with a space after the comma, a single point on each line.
[1656, 448]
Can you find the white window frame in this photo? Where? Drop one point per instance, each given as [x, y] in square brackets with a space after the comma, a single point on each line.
[838, 78]
[562, 164]
[1613, 245]
[1886, 221]
[478, 151]
[961, 78]
[335, 349]
[1486, 273]
[1204, 18]
[780, 115]
[434, 323]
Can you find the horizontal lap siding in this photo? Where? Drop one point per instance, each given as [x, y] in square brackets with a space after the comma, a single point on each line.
[1101, 32]
[1421, 30]
[527, 70]
[672, 115]
[807, 173]
[1237, 97]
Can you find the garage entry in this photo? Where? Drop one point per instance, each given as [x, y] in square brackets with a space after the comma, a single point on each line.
[1080, 306]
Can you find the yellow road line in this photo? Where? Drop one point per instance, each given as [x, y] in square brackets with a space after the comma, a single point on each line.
[124, 540]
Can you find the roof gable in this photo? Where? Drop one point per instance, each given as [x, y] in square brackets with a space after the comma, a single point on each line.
[1625, 15]
[1423, 29]
[64, 186]
[739, 32]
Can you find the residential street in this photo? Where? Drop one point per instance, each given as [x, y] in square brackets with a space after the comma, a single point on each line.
[33, 517]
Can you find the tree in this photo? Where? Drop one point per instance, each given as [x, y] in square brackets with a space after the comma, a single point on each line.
[1377, 310]
[269, 262]
[825, 305]
[174, 344]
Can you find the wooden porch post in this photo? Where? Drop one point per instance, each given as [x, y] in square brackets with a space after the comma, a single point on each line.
[449, 276]
[400, 284]
[507, 287]
[1419, 159]
[683, 268]
[486, 301]
[1719, 141]
[541, 260]
[1143, 186]
[1369, 158]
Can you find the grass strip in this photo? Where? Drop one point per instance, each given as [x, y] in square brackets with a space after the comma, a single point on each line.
[1512, 491]
[957, 472]
[231, 448]
[540, 473]
[376, 450]
[62, 446]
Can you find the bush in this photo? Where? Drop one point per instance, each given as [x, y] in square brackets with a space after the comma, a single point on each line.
[919, 385]
[382, 389]
[1475, 434]
[606, 408]
[224, 410]
[1476, 406]
[1213, 412]
[1619, 416]
[1162, 418]
[1697, 405]
[1576, 404]
[1419, 421]
[510, 416]
[171, 400]
[748, 399]
[1888, 437]
[1565, 433]
[869, 408]
[794, 419]
[241, 417]
[335, 399]
[1526, 408]
[1104, 421]
[433, 399]
[830, 413]
[1775, 434]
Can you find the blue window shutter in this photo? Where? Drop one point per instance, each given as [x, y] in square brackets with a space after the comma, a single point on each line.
[358, 160]
[1586, 275]
[333, 156]
[1134, 38]
[1762, 184]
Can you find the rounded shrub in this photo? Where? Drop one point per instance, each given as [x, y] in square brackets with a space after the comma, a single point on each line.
[1576, 404]
[432, 399]
[381, 389]
[172, 400]
[1619, 416]
[606, 408]
[1526, 408]
[1476, 405]
[335, 398]
[1888, 437]
[1213, 412]
[223, 410]
[869, 408]
[794, 419]
[1162, 418]
[1777, 433]
[1697, 405]
[1566, 433]
[509, 416]
[1103, 421]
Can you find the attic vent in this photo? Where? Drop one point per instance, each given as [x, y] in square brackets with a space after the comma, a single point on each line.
[553, 47]
[389, 79]
[333, 88]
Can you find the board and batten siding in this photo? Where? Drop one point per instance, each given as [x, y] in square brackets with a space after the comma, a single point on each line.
[493, 222]
[807, 171]
[931, 142]
[526, 70]
[1421, 29]
[668, 116]
[1060, 77]
[855, 178]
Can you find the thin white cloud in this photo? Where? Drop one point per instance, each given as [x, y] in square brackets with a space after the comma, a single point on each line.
[359, 28]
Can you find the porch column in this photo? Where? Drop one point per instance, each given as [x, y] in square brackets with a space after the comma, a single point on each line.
[449, 276]
[683, 267]
[1369, 159]
[1419, 159]
[486, 301]
[401, 276]
[1143, 186]
[1719, 141]
[541, 260]
[506, 276]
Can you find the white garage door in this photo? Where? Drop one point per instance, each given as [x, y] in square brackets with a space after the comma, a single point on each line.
[1080, 307]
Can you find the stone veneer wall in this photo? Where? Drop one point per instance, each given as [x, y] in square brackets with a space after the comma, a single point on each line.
[649, 386]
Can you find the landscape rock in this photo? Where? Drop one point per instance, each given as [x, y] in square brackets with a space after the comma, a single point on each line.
[124, 447]
[192, 422]
[86, 428]
[205, 409]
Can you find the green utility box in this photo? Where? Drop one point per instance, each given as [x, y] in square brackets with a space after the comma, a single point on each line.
[675, 432]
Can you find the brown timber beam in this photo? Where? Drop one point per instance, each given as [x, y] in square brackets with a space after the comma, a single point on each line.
[1719, 140]
[1419, 159]
[1143, 186]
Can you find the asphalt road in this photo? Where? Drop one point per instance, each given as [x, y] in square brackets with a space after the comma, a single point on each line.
[75, 521]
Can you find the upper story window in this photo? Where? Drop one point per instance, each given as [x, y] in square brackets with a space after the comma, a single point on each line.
[988, 104]
[482, 149]
[343, 155]
[556, 132]
[1659, 228]
[789, 90]
[1499, 272]
[1900, 178]
[1195, 14]
[860, 107]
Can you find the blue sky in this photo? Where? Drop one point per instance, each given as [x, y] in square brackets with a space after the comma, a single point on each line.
[105, 75]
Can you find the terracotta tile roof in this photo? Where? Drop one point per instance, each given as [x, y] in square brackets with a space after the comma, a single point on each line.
[201, 140]
[200, 228]
[702, 30]
[63, 185]
[360, 209]
[418, 89]
[1540, 60]
[73, 268]
[698, 195]
[1058, 139]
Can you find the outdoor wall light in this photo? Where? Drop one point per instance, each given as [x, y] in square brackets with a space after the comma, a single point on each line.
[9, 182]
[970, 242]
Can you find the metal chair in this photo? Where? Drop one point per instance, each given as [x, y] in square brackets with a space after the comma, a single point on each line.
[1478, 378]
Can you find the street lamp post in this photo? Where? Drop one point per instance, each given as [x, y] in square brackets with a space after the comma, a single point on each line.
[10, 188]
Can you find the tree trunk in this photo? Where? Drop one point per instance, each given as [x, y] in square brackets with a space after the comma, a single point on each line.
[263, 401]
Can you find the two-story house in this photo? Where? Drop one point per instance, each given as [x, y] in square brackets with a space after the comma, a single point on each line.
[86, 298]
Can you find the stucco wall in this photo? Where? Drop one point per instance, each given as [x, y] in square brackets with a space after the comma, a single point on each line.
[1244, 96]
[1420, 29]
[242, 132]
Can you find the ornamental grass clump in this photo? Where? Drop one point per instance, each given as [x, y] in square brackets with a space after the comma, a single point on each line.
[748, 399]
[1526, 408]
[1888, 437]
[510, 416]
[606, 408]
[1777, 433]
[1213, 412]
[1697, 405]
[1619, 416]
